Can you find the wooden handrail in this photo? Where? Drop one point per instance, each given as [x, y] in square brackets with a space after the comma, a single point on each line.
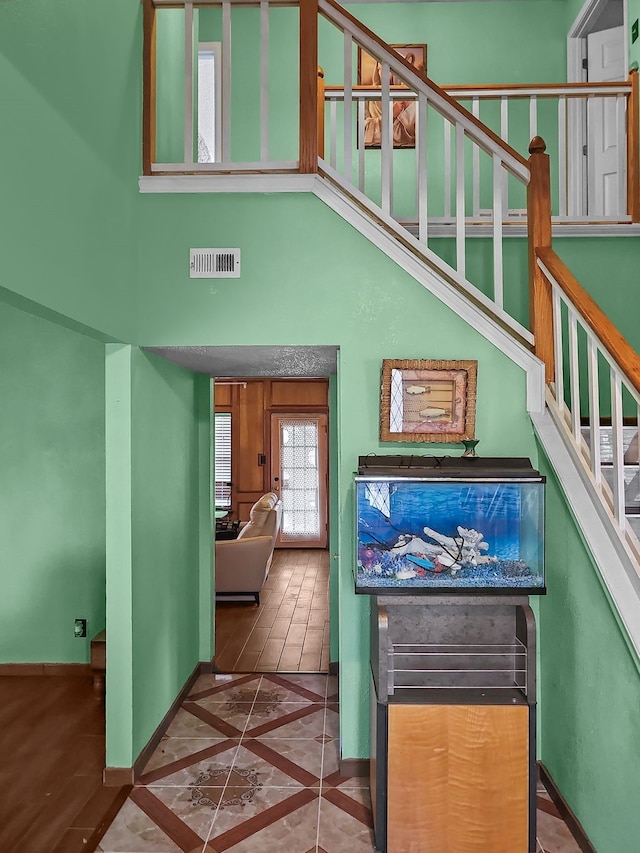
[411, 74]
[309, 108]
[539, 222]
[148, 86]
[633, 149]
[619, 348]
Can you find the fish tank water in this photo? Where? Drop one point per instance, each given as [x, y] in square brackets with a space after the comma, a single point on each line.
[457, 527]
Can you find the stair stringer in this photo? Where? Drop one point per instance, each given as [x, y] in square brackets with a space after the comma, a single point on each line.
[616, 566]
[436, 284]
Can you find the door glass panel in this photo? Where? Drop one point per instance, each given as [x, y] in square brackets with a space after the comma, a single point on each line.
[299, 479]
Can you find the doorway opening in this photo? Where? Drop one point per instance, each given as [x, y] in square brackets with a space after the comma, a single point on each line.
[597, 53]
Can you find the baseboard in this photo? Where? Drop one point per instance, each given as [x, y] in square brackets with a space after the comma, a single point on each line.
[164, 724]
[118, 776]
[66, 669]
[334, 668]
[565, 812]
[358, 767]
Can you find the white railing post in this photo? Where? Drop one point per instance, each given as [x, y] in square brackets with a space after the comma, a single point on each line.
[617, 446]
[460, 204]
[594, 409]
[421, 160]
[226, 81]
[498, 177]
[264, 80]
[188, 83]
[347, 161]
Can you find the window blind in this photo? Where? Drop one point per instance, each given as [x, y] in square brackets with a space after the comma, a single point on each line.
[222, 456]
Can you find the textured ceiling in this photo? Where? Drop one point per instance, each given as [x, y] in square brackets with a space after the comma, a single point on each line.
[304, 362]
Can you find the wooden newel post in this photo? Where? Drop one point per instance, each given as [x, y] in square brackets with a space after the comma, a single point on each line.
[320, 102]
[308, 155]
[633, 149]
[148, 87]
[539, 222]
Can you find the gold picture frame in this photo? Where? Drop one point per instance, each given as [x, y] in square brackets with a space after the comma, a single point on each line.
[428, 400]
[404, 135]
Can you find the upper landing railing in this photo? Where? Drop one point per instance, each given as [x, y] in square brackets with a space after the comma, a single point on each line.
[590, 182]
[233, 87]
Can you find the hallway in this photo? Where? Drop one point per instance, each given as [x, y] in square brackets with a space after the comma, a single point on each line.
[289, 631]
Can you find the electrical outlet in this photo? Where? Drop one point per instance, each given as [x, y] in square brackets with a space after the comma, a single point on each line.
[80, 628]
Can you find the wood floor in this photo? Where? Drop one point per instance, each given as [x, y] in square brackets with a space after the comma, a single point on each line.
[52, 735]
[289, 631]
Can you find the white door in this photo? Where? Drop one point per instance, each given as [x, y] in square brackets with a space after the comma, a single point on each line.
[607, 194]
[299, 475]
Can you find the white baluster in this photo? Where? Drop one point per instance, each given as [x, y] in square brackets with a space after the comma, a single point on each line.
[562, 156]
[361, 149]
[498, 296]
[557, 350]
[621, 152]
[333, 150]
[618, 448]
[386, 153]
[447, 168]
[226, 81]
[504, 118]
[574, 375]
[533, 116]
[421, 160]
[264, 80]
[594, 408]
[475, 109]
[460, 203]
[188, 83]
[348, 107]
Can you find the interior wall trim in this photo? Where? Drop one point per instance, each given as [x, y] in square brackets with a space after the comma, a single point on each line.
[565, 812]
[354, 767]
[119, 776]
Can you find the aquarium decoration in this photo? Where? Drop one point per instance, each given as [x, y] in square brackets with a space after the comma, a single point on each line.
[447, 529]
[428, 400]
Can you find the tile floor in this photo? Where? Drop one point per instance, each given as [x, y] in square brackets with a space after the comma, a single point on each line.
[250, 763]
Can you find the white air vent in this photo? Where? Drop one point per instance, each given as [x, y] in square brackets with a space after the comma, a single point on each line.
[214, 263]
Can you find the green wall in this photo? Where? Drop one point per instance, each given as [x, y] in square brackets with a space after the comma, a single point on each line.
[52, 530]
[70, 89]
[153, 545]
[308, 278]
[609, 270]
[590, 689]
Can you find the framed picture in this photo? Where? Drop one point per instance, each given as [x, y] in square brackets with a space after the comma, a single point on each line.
[404, 111]
[428, 400]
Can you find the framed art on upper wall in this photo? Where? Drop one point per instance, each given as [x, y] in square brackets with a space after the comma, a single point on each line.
[428, 400]
[404, 110]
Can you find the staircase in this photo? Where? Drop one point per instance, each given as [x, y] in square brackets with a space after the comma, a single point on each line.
[460, 179]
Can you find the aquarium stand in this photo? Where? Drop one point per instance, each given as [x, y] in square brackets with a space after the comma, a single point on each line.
[453, 685]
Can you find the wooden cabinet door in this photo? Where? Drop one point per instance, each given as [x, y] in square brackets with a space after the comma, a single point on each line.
[458, 779]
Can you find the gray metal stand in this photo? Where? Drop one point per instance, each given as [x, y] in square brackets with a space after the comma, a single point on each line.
[452, 651]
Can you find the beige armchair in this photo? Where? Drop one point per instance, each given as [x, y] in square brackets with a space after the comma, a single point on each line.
[242, 564]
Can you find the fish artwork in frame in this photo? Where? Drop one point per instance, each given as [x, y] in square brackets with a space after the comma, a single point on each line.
[428, 400]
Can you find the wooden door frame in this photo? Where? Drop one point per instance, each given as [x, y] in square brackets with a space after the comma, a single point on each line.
[576, 117]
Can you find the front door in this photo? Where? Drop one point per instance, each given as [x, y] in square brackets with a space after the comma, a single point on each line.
[299, 473]
[606, 126]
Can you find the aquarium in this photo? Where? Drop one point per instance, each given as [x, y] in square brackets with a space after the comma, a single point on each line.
[442, 531]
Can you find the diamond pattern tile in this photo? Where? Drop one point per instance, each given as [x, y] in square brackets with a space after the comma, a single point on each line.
[251, 763]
